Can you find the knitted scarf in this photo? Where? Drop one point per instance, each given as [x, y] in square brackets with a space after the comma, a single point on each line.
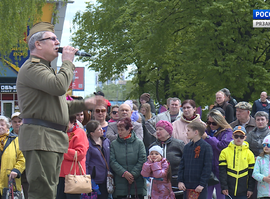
[3, 137]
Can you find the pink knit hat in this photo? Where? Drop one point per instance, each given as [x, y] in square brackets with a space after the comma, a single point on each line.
[166, 125]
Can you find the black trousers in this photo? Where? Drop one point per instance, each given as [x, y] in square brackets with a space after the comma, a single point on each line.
[60, 191]
[121, 197]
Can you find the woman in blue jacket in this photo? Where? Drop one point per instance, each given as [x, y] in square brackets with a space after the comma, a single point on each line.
[98, 155]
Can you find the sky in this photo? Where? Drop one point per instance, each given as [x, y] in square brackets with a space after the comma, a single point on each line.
[89, 81]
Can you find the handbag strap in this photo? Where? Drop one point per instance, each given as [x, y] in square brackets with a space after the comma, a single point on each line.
[74, 162]
[136, 192]
[104, 158]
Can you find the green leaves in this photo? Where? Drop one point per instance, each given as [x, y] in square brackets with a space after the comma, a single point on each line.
[188, 48]
[15, 16]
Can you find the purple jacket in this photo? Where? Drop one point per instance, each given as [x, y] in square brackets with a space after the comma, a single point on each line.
[94, 158]
[218, 143]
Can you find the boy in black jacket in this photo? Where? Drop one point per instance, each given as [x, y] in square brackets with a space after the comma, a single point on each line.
[196, 164]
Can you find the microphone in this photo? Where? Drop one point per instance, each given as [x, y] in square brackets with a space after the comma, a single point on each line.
[79, 53]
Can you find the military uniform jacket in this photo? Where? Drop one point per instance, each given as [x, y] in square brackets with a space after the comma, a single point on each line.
[41, 95]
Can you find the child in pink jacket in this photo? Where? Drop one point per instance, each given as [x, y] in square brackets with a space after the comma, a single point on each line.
[158, 168]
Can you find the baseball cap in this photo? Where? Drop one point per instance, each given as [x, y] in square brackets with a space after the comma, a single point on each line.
[239, 129]
[99, 93]
[16, 114]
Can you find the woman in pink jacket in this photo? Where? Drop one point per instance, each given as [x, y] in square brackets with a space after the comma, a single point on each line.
[158, 168]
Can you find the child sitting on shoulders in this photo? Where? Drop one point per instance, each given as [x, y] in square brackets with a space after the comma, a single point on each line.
[158, 168]
[261, 171]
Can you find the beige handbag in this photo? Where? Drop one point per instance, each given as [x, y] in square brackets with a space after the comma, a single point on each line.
[77, 184]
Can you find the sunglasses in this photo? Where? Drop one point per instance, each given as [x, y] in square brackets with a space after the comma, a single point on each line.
[239, 136]
[213, 123]
[114, 112]
[268, 145]
[51, 38]
[100, 110]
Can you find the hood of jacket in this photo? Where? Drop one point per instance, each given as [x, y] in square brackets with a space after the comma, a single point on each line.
[245, 145]
[189, 121]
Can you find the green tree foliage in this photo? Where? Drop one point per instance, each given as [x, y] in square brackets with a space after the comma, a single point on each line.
[115, 92]
[187, 48]
[15, 16]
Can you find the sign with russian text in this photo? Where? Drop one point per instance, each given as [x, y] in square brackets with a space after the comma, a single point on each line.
[261, 18]
[78, 83]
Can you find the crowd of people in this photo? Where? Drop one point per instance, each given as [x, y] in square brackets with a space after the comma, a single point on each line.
[184, 152]
[172, 151]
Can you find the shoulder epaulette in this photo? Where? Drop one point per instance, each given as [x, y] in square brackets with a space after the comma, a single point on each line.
[35, 60]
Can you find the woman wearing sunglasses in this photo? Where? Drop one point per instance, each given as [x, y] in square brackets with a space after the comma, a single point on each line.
[218, 135]
[100, 113]
[114, 114]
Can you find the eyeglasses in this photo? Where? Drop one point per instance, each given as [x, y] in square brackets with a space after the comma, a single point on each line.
[51, 38]
[114, 112]
[268, 145]
[239, 136]
[100, 110]
[213, 123]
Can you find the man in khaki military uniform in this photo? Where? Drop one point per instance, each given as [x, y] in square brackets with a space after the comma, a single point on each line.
[45, 110]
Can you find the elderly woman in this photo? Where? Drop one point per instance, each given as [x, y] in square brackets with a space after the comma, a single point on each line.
[100, 113]
[219, 135]
[173, 148]
[256, 136]
[12, 160]
[127, 156]
[189, 115]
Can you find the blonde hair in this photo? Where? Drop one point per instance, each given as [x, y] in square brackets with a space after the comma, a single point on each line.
[148, 113]
[219, 119]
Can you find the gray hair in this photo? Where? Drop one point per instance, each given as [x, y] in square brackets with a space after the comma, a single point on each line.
[5, 119]
[35, 37]
[175, 99]
[261, 114]
[226, 92]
